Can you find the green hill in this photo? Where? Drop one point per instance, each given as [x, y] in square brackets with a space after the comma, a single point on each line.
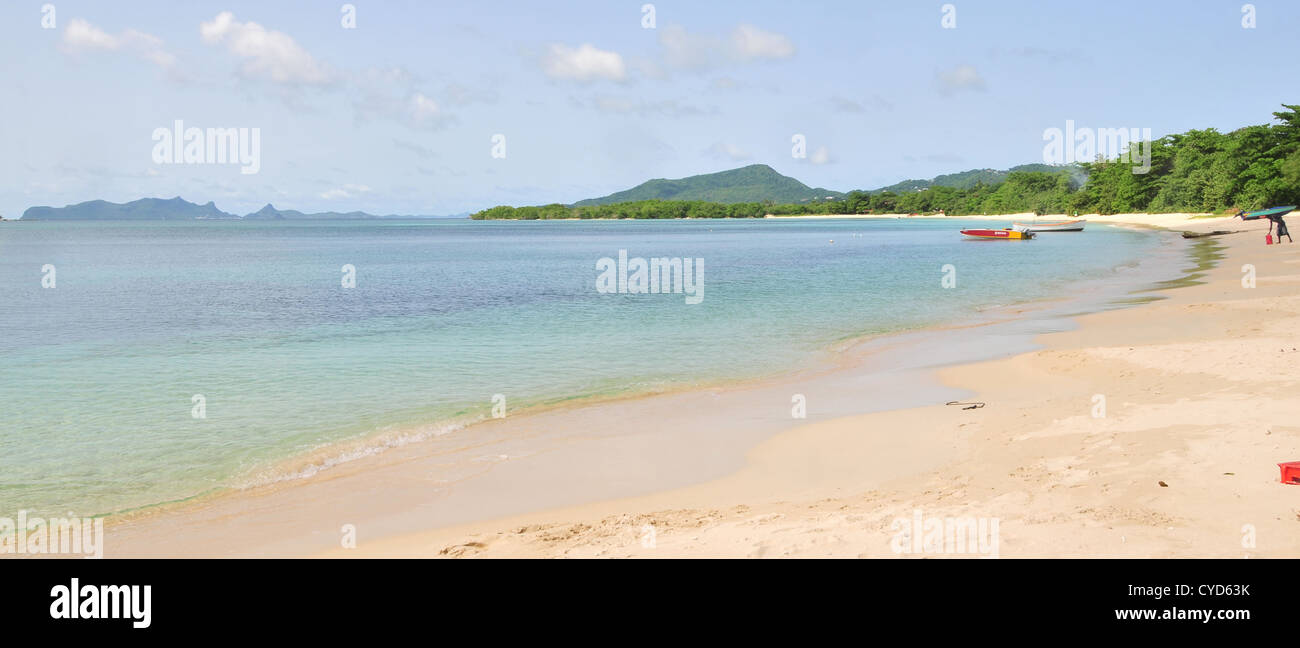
[754, 183]
[968, 179]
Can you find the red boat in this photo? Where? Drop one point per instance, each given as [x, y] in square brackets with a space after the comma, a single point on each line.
[1007, 234]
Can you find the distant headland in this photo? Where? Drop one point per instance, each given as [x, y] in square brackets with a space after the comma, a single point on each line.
[156, 209]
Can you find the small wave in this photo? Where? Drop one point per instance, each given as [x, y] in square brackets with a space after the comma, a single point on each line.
[330, 455]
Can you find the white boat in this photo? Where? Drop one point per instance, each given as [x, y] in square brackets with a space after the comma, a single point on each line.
[1058, 226]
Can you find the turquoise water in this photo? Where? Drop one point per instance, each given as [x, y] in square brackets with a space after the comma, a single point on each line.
[97, 374]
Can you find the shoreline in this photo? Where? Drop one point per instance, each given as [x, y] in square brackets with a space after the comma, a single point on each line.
[1147, 219]
[200, 513]
[332, 455]
[1182, 464]
[829, 367]
[1156, 220]
[830, 357]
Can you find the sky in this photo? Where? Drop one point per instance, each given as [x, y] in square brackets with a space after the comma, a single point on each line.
[401, 112]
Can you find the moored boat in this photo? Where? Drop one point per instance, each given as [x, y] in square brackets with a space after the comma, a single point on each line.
[1057, 226]
[1007, 234]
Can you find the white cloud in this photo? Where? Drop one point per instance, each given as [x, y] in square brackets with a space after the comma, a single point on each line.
[423, 108]
[962, 77]
[81, 36]
[346, 191]
[683, 49]
[821, 156]
[750, 43]
[746, 43]
[625, 105]
[583, 63]
[268, 55]
[425, 112]
[729, 151]
[391, 93]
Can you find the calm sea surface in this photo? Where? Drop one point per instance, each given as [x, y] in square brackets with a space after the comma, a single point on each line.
[99, 374]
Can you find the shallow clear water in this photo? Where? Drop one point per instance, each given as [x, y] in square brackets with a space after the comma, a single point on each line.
[97, 374]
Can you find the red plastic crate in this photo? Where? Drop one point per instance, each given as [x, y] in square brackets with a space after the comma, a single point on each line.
[1290, 472]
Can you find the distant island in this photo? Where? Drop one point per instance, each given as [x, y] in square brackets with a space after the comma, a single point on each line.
[154, 209]
[143, 209]
[1196, 171]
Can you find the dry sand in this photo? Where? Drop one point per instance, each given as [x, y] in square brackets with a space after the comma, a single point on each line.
[1199, 394]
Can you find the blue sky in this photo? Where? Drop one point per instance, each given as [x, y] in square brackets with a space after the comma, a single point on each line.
[398, 114]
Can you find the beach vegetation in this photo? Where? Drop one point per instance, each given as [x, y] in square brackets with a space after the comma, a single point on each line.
[1195, 171]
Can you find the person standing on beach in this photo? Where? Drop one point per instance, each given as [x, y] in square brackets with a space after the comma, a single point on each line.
[1275, 219]
[1281, 228]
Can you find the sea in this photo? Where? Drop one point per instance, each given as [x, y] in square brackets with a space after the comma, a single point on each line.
[143, 363]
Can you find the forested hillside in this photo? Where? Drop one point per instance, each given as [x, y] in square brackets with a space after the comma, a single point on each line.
[1195, 171]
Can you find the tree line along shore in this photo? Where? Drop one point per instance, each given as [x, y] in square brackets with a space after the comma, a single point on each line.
[1195, 171]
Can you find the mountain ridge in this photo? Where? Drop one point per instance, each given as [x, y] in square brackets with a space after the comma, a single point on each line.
[970, 178]
[178, 208]
[142, 209]
[753, 183]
